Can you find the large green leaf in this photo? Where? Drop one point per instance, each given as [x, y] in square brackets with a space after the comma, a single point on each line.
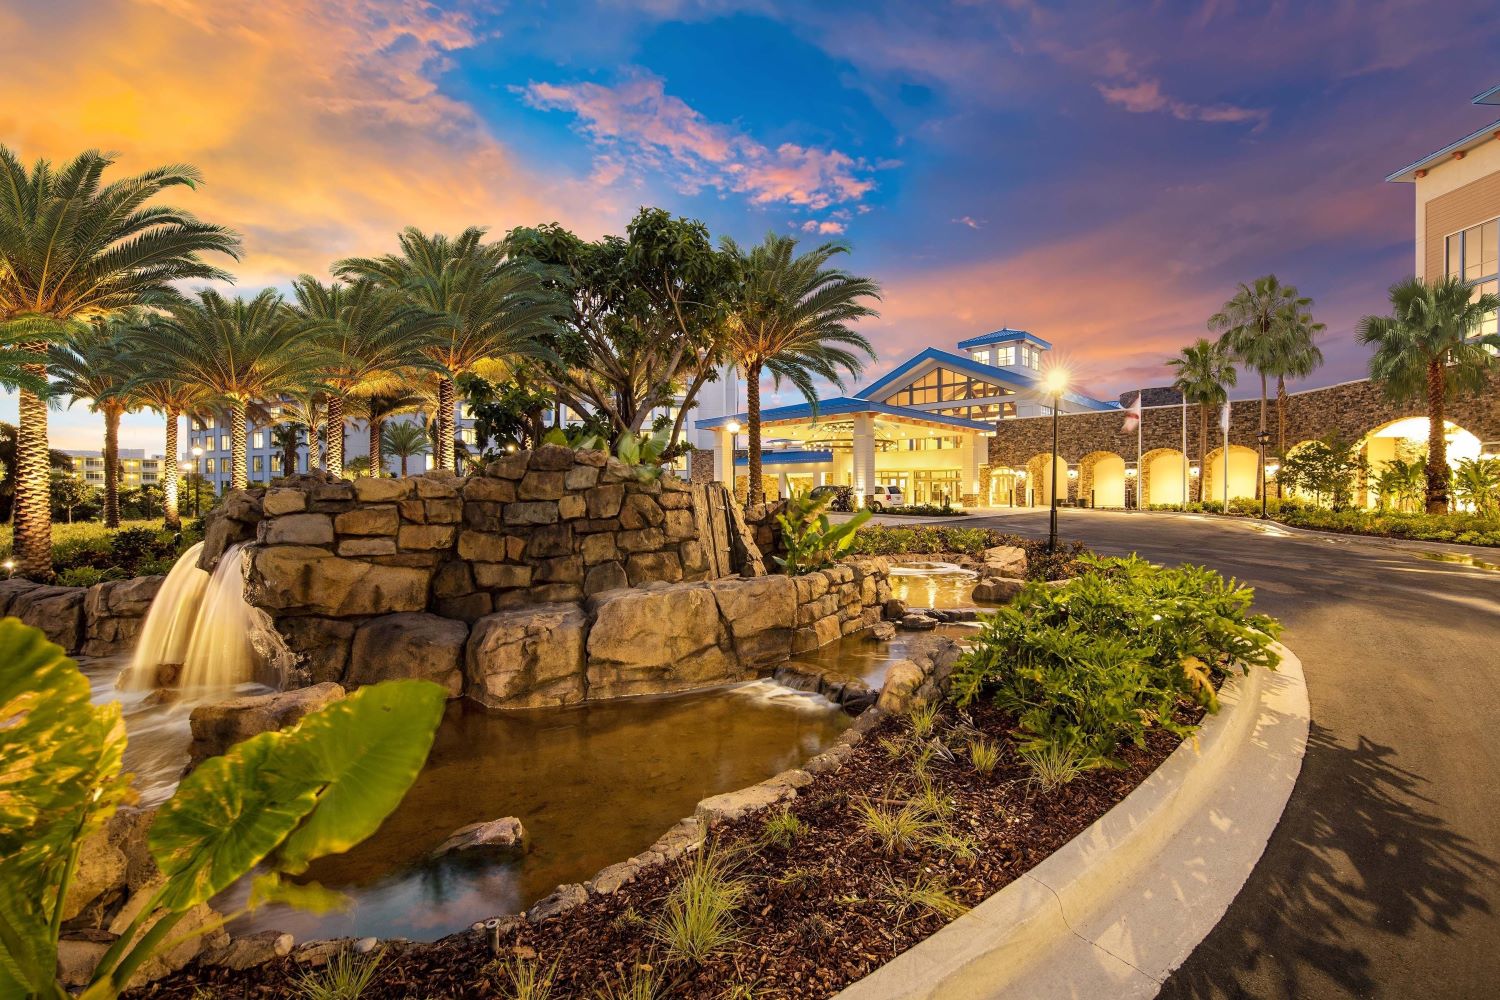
[364, 752]
[59, 782]
[226, 817]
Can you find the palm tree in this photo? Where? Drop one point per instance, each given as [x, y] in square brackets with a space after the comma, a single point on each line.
[1429, 348]
[1204, 375]
[378, 407]
[404, 439]
[58, 461]
[95, 364]
[307, 412]
[1401, 481]
[159, 386]
[240, 351]
[288, 438]
[492, 308]
[1251, 327]
[1293, 354]
[379, 337]
[793, 319]
[1476, 482]
[73, 248]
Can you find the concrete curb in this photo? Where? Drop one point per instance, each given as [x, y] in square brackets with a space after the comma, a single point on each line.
[1116, 909]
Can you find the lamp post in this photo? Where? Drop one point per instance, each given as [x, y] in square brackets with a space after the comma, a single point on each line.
[197, 454]
[733, 427]
[1057, 379]
[1263, 439]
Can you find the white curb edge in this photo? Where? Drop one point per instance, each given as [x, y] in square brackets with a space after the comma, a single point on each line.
[1116, 909]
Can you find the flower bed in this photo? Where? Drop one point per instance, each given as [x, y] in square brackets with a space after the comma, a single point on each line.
[1069, 701]
[1460, 528]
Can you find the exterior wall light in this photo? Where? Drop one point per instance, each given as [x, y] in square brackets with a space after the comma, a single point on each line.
[1072, 473]
[1194, 470]
[1129, 473]
[1271, 470]
[732, 427]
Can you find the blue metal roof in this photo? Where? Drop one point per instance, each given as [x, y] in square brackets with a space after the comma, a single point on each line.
[799, 457]
[1408, 172]
[990, 373]
[843, 406]
[1491, 96]
[1002, 336]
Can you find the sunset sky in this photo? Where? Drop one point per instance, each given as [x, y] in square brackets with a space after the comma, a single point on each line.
[1100, 178]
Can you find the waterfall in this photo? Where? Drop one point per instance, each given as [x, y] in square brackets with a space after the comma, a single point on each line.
[200, 624]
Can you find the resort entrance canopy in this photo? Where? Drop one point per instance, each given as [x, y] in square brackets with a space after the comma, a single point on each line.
[849, 441]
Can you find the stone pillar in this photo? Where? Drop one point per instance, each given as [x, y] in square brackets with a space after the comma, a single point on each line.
[863, 456]
[724, 457]
[968, 462]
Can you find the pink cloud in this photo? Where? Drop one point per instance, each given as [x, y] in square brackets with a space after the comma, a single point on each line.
[826, 227]
[1144, 96]
[638, 121]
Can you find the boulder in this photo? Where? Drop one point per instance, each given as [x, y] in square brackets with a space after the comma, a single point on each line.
[315, 581]
[299, 529]
[560, 900]
[378, 519]
[57, 611]
[656, 639]
[372, 490]
[1005, 560]
[253, 949]
[282, 500]
[12, 589]
[498, 836]
[101, 866]
[409, 645]
[914, 621]
[527, 657]
[718, 809]
[77, 960]
[998, 589]
[321, 645]
[219, 725]
[761, 614]
[881, 632]
[898, 693]
[197, 931]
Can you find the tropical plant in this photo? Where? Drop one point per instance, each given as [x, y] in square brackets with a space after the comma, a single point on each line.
[1325, 468]
[72, 249]
[1053, 765]
[1476, 482]
[1204, 374]
[378, 337]
[346, 977]
[984, 755]
[1402, 482]
[276, 802]
[1293, 354]
[791, 317]
[526, 978]
[924, 894]
[509, 412]
[894, 830]
[1430, 349]
[489, 307]
[783, 829]
[810, 540]
[71, 497]
[159, 385]
[359, 466]
[287, 438]
[378, 407]
[1267, 326]
[95, 365]
[304, 412]
[643, 315]
[1109, 656]
[240, 351]
[404, 440]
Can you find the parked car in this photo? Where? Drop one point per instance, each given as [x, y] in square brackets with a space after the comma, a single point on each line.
[843, 496]
[882, 497]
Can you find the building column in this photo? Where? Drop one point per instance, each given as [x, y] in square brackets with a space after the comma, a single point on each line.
[863, 457]
[783, 485]
[968, 465]
[724, 457]
[820, 478]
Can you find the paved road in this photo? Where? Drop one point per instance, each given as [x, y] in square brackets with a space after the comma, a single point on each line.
[1383, 877]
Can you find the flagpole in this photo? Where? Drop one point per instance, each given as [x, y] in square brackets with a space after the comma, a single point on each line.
[1184, 452]
[1140, 425]
[1226, 455]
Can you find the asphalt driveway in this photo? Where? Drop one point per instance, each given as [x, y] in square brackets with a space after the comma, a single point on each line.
[1383, 877]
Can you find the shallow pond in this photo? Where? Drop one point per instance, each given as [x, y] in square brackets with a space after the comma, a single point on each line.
[593, 784]
[940, 585]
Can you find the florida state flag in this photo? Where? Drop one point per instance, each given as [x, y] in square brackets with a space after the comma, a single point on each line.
[1132, 415]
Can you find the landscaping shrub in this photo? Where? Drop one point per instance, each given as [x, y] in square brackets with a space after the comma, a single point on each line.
[1113, 654]
[88, 552]
[925, 510]
[924, 539]
[1466, 529]
[810, 539]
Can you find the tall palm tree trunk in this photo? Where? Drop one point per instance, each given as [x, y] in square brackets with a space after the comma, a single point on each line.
[33, 505]
[111, 467]
[238, 478]
[1437, 444]
[171, 516]
[403, 465]
[1260, 449]
[1280, 424]
[445, 423]
[1202, 448]
[336, 434]
[755, 492]
[377, 451]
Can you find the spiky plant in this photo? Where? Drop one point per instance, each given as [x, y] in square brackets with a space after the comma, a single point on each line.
[74, 248]
[1430, 349]
[241, 350]
[793, 319]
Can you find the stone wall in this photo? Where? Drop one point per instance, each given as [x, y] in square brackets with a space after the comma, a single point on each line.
[102, 620]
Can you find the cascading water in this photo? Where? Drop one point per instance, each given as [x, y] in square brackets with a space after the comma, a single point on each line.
[199, 627]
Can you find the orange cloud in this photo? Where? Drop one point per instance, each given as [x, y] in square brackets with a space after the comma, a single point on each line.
[319, 126]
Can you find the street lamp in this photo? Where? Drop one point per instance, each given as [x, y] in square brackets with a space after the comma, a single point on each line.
[1056, 381]
[733, 427]
[1263, 439]
[197, 481]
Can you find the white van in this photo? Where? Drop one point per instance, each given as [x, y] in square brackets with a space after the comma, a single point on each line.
[882, 497]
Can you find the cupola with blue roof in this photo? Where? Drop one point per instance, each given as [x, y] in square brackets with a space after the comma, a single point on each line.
[1019, 350]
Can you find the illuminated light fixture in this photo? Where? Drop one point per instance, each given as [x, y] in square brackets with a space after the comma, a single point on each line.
[1194, 470]
[1459, 154]
[1072, 473]
[1423, 173]
[1272, 469]
[732, 427]
[1130, 473]
[1056, 381]
[1020, 473]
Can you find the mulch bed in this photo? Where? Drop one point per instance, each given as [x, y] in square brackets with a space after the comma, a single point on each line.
[805, 936]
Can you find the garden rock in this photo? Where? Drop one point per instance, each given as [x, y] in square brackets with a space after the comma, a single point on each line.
[657, 639]
[57, 611]
[251, 950]
[914, 621]
[998, 589]
[527, 657]
[902, 680]
[717, 809]
[560, 900]
[499, 836]
[77, 960]
[217, 726]
[760, 613]
[413, 645]
[1005, 560]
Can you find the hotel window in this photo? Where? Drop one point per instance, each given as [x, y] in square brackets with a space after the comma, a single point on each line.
[257, 464]
[198, 426]
[934, 443]
[1474, 255]
[260, 439]
[275, 463]
[942, 386]
[1005, 355]
[223, 442]
[223, 465]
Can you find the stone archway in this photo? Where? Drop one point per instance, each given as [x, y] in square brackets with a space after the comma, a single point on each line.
[1162, 477]
[1039, 478]
[1244, 474]
[1101, 479]
[1405, 440]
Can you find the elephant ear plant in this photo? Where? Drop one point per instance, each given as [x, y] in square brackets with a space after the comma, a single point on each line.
[811, 541]
[276, 801]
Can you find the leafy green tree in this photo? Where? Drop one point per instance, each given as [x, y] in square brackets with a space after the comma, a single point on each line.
[509, 411]
[73, 499]
[379, 338]
[491, 307]
[1257, 326]
[275, 802]
[287, 437]
[58, 461]
[1402, 482]
[1204, 375]
[1430, 349]
[645, 315]
[792, 318]
[1325, 468]
[95, 365]
[241, 350]
[405, 440]
[73, 248]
